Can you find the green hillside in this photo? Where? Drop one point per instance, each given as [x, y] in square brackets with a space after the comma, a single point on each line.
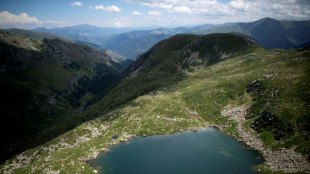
[38, 35]
[44, 83]
[190, 81]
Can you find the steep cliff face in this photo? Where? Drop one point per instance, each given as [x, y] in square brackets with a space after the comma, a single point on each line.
[43, 82]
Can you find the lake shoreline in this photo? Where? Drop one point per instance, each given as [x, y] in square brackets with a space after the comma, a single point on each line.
[286, 160]
[190, 132]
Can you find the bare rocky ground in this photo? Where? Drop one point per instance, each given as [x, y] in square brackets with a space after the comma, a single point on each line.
[286, 160]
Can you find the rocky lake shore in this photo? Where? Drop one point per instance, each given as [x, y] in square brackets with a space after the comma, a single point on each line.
[286, 160]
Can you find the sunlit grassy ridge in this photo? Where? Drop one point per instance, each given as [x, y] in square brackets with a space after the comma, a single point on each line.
[164, 102]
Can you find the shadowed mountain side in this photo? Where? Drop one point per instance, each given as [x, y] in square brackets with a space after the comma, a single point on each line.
[43, 83]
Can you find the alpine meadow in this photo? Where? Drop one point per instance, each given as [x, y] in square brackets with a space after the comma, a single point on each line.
[78, 84]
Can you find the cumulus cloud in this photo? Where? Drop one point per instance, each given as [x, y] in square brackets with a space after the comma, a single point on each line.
[137, 13]
[162, 5]
[233, 10]
[182, 9]
[6, 18]
[99, 7]
[111, 8]
[240, 4]
[77, 4]
[121, 22]
[23, 20]
[154, 13]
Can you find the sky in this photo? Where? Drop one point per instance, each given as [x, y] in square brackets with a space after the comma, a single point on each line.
[29, 14]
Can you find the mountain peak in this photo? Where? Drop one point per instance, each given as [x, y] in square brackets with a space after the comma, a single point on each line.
[186, 51]
[266, 20]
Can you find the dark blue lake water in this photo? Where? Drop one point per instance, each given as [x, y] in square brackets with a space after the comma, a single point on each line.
[204, 152]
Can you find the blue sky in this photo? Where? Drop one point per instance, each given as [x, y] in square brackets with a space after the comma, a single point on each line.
[136, 13]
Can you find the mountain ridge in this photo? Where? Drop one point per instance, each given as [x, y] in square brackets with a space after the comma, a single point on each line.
[44, 35]
[46, 82]
[269, 33]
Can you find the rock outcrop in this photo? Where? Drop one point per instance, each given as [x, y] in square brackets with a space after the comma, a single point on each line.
[286, 160]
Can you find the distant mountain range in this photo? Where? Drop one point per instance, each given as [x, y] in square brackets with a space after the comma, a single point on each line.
[269, 33]
[85, 30]
[127, 43]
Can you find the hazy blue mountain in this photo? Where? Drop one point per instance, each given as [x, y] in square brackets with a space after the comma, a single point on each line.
[87, 33]
[133, 43]
[269, 33]
[128, 44]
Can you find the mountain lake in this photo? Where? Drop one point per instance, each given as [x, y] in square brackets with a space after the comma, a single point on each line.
[207, 151]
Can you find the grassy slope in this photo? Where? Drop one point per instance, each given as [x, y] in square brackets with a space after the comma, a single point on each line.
[44, 83]
[38, 35]
[177, 101]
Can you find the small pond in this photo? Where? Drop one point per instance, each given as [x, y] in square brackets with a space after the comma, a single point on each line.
[207, 151]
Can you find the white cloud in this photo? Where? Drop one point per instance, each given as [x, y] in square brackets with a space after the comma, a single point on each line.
[111, 8]
[216, 11]
[240, 4]
[121, 22]
[6, 18]
[23, 20]
[77, 4]
[158, 5]
[99, 7]
[182, 9]
[154, 13]
[137, 13]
